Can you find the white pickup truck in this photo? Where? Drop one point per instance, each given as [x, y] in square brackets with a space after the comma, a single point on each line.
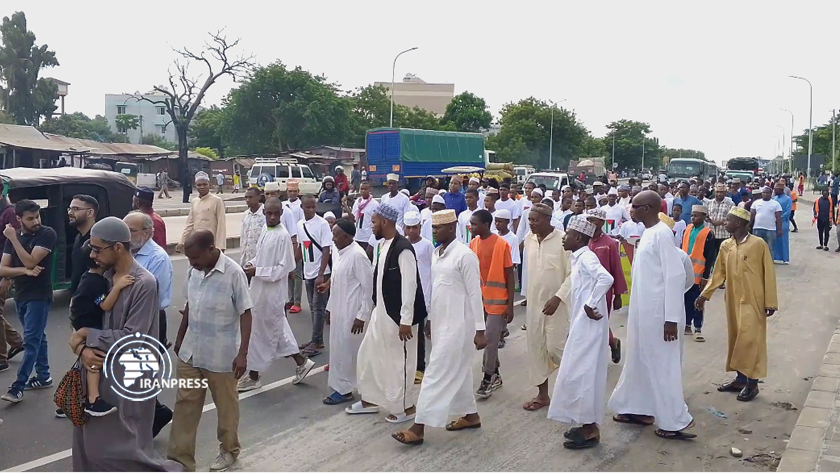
[280, 171]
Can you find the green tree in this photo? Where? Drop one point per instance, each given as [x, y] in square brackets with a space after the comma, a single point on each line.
[629, 136]
[5, 118]
[277, 108]
[207, 152]
[127, 122]
[467, 112]
[79, 125]
[208, 130]
[526, 125]
[24, 95]
[683, 153]
[157, 140]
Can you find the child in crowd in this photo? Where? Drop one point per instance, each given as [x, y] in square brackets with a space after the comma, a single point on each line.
[679, 225]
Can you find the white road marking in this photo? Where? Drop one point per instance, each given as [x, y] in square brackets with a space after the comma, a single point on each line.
[209, 407]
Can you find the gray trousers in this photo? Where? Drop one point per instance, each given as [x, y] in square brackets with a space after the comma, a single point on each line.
[318, 308]
[295, 284]
[494, 326]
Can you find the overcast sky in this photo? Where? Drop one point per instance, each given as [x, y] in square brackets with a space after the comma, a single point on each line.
[706, 75]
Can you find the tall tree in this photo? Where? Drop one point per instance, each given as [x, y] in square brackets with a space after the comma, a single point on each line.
[208, 130]
[467, 112]
[672, 153]
[79, 125]
[526, 125]
[185, 92]
[24, 95]
[629, 136]
[277, 108]
[127, 122]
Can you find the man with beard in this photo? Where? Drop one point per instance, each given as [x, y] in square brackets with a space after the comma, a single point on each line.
[155, 260]
[81, 215]
[207, 212]
[143, 199]
[122, 440]
[9, 337]
[26, 258]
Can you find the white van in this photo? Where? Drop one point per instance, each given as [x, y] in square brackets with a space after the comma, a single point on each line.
[522, 173]
[553, 181]
[281, 170]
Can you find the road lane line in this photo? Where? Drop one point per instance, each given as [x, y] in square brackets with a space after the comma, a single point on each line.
[209, 407]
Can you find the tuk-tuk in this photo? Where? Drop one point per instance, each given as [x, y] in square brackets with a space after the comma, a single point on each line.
[129, 170]
[53, 189]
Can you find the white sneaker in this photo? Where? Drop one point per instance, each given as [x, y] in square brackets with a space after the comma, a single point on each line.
[222, 462]
[302, 371]
[247, 384]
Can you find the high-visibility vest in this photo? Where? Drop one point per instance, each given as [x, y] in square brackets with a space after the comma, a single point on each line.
[698, 261]
[831, 216]
[494, 292]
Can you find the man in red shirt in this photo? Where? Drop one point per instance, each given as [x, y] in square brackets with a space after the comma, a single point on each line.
[341, 181]
[143, 199]
[606, 249]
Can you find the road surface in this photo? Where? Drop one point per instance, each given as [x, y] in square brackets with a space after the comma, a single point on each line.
[287, 428]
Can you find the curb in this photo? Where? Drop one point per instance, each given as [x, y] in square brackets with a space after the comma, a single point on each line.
[815, 441]
[232, 243]
[183, 212]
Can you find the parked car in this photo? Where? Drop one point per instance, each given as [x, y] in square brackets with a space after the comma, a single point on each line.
[281, 170]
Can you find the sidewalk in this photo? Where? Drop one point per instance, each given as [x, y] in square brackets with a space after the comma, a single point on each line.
[175, 228]
[815, 441]
[174, 207]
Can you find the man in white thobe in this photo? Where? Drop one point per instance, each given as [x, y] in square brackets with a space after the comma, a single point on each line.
[456, 328]
[271, 335]
[650, 387]
[582, 377]
[549, 286]
[388, 354]
[351, 292]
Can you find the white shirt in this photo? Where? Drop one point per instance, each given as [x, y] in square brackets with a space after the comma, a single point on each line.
[320, 231]
[463, 230]
[765, 213]
[364, 218]
[557, 218]
[216, 300]
[512, 206]
[617, 214]
[513, 241]
[401, 203]
[252, 226]
[679, 231]
[423, 250]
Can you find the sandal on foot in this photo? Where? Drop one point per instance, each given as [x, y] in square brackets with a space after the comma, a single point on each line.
[698, 337]
[337, 398]
[462, 424]
[568, 434]
[679, 435]
[615, 351]
[311, 351]
[400, 418]
[359, 408]
[535, 405]
[418, 377]
[630, 419]
[576, 441]
[407, 437]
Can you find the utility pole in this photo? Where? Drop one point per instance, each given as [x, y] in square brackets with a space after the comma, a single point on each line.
[551, 138]
[613, 151]
[643, 155]
[833, 135]
[393, 77]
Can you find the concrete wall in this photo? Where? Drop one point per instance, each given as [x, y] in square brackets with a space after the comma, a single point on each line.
[431, 97]
[152, 121]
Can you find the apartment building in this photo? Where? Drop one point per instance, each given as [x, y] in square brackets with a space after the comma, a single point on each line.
[415, 92]
[153, 117]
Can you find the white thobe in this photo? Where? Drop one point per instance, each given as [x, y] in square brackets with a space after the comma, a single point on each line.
[582, 377]
[521, 233]
[651, 381]
[386, 365]
[423, 250]
[426, 224]
[464, 229]
[271, 336]
[402, 204]
[252, 226]
[549, 269]
[457, 313]
[351, 298]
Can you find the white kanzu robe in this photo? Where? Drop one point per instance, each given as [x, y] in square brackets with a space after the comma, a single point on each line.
[351, 292]
[582, 377]
[271, 336]
[457, 313]
[386, 365]
[521, 233]
[549, 268]
[651, 381]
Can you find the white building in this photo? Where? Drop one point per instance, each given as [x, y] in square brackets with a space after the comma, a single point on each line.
[153, 117]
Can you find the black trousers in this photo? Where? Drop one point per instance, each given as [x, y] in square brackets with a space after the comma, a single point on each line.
[824, 231]
[163, 414]
[792, 220]
[421, 346]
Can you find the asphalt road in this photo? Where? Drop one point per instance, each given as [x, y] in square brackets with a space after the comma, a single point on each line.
[287, 428]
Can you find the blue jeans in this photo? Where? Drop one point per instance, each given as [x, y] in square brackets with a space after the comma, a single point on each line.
[769, 236]
[741, 379]
[33, 317]
[318, 307]
[691, 312]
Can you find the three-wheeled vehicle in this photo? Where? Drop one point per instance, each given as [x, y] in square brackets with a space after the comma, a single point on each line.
[53, 189]
[130, 170]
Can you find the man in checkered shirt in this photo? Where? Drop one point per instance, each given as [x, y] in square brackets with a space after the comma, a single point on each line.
[718, 208]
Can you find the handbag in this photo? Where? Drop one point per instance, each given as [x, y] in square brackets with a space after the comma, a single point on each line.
[70, 395]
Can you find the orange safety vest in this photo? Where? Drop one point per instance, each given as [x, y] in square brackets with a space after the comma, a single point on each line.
[494, 292]
[831, 216]
[698, 261]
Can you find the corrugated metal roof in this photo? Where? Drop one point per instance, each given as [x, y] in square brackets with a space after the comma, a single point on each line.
[20, 136]
[109, 149]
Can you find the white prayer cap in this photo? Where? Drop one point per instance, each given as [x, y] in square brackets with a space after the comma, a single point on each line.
[699, 208]
[474, 179]
[442, 191]
[597, 183]
[537, 191]
[444, 217]
[581, 225]
[502, 213]
[329, 215]
[597, 213]
[612, 191]
[411, 218]
[565, 187]
[201, 176]
[393, 177]
[438, 199]
[272, 186]
[405, 191]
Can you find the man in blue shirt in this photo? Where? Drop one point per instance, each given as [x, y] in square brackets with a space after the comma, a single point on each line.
[835, 189]
[687, 201]
[454, 198]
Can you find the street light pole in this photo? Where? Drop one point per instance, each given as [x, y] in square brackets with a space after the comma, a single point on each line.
[810, 123]
[790, 151]
[393, 77]
[551, 133]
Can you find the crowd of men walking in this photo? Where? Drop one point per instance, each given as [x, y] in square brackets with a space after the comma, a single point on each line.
[443, 265]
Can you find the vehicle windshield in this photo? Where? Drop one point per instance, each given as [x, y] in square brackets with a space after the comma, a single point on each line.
[550, 182]
[684, 169]
[749, 165]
